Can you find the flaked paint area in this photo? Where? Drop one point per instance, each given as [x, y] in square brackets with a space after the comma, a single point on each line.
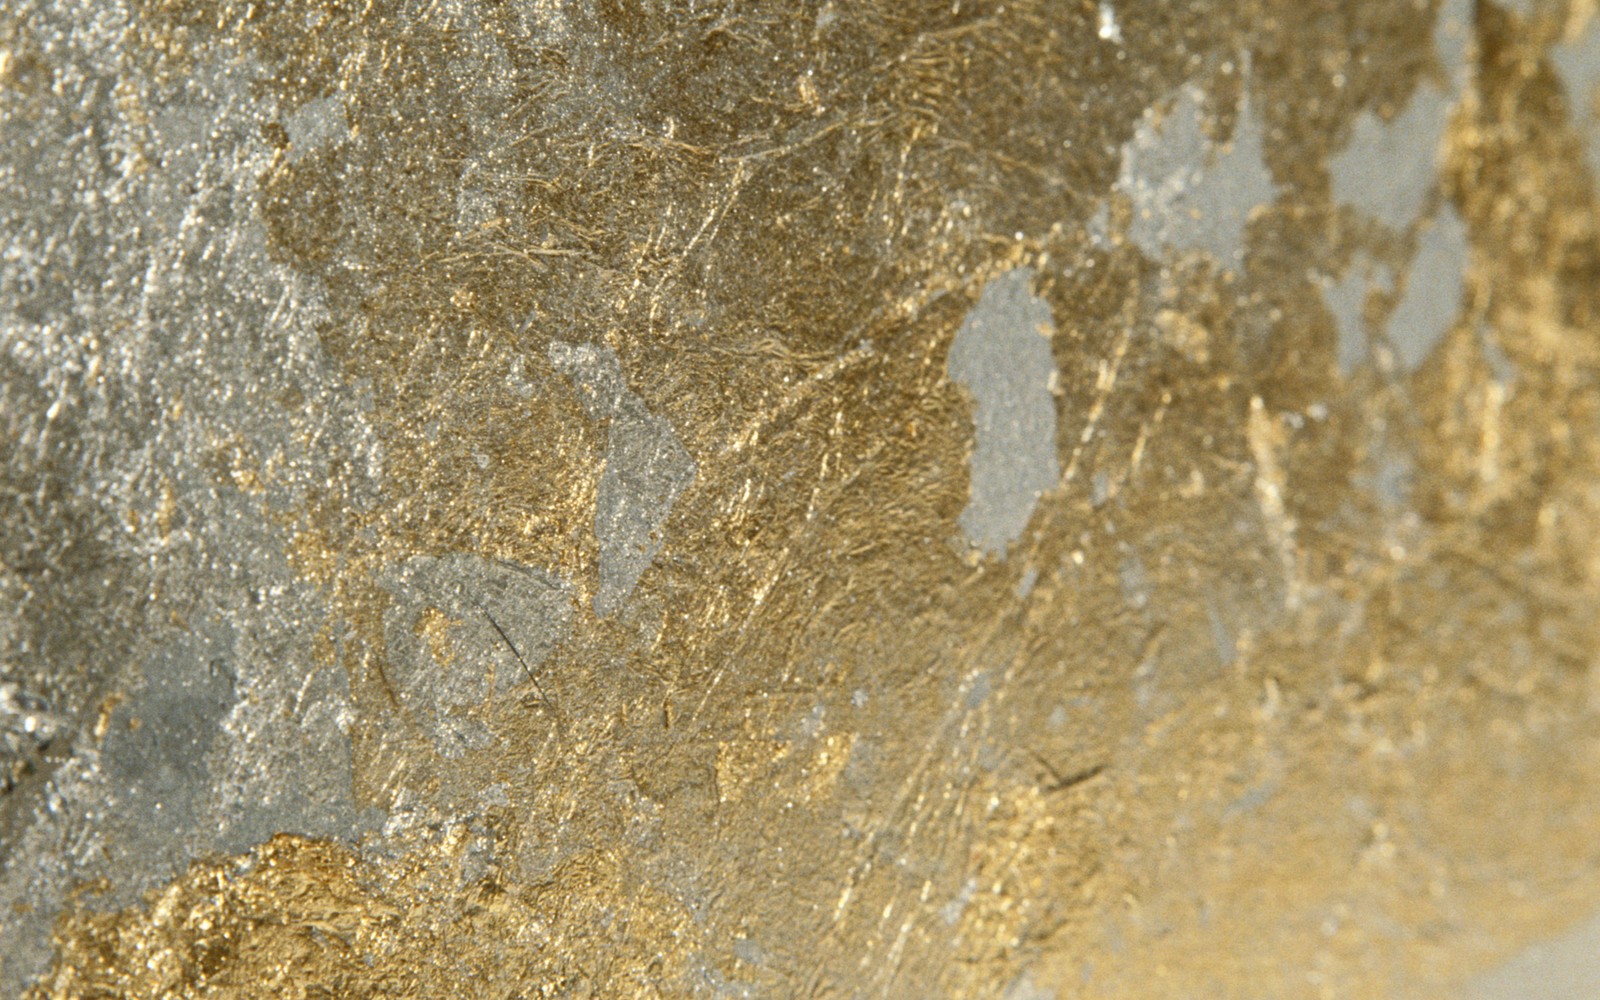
[1347, 299]
[1434, 285]
[1388, 167]
[809, 566]
[1002, 355]
[1187, 193]
[646, 468]
[498, 621]
[1577, 62]
[170, 452]
[1389, 172]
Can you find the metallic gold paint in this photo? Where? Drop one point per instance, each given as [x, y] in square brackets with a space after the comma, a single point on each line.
[1252, 730]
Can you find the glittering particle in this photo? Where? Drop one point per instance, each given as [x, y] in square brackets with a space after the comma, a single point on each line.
[1106, 24]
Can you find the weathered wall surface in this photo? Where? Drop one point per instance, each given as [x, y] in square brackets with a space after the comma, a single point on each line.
[853, 499]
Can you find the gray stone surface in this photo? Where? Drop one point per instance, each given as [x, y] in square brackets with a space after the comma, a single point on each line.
[1388, 167]
[1388, 172]
[1347, 300]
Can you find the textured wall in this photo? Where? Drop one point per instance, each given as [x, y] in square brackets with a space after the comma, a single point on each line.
[872, 498]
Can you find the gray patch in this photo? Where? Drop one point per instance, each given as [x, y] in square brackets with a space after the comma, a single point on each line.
[982, 687]
[1098, 228]
[812, 725]
[951, 911]
[1526, 8]
[1347, 299]
[1452, 42]
[647, 467]
[1099, 489]
[1222, 636]
[1186, 194]
[1144, 683]
[1388, 168]
[502, 620]
[1025, 988]
[595, 373]
[1577, 62]
[1434, 283]
[476, 203]
[174, 258]
[154, 757]
[287, 721]
[475, 209]
[1559, 969]
[748, 951]
[1135, 580]
[1500, 365]
[1391, 478]
[517, 379]
[172, 780]
[181, 133]
[317, 125]
[479, 858]
[1002, 355]
[1251, 800]
[27, 728]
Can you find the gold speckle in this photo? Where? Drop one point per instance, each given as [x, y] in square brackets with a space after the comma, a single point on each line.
[434, 627]
[777, 224]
